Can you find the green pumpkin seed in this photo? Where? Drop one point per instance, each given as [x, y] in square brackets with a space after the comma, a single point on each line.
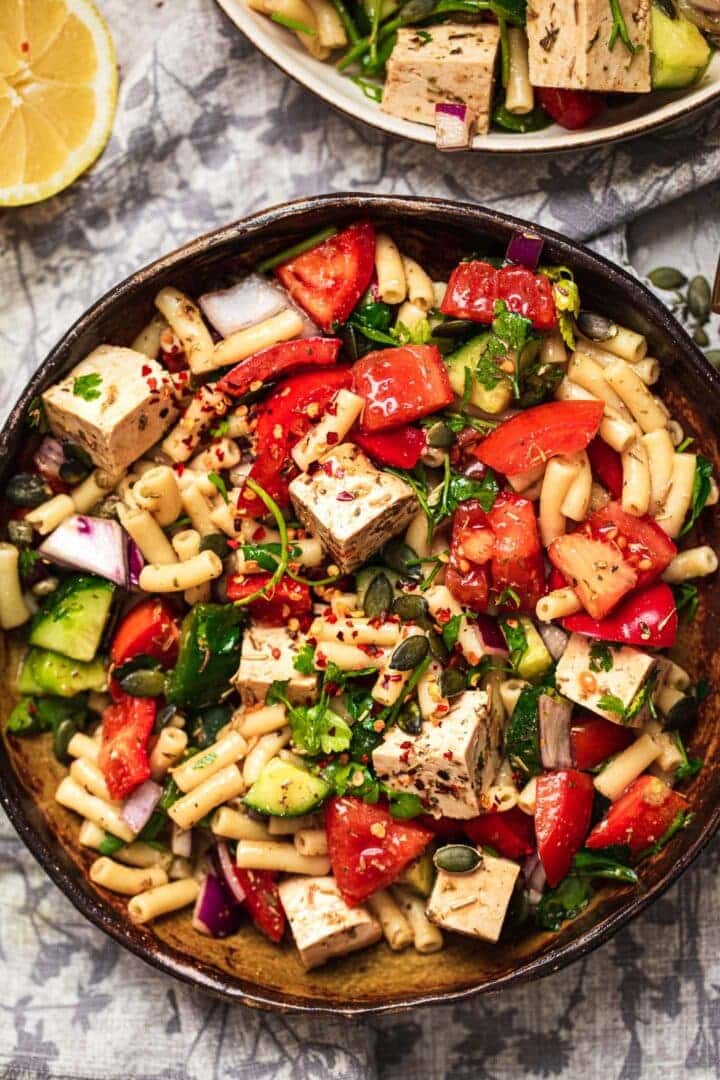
[713, 357]
[378, 596]
[27, 489]
[700, 337]
[452, 681]
[411, 608]
[144, 683]
[683, 714]
[699, 298]
[596, 327]
[61, 739]
[217, 543]
[457, 859]
[454, 328]
[410, 718]
[410, 653]
[667, 277]
[401, 557]
[20, 533]
[440, 435]
[438, 649]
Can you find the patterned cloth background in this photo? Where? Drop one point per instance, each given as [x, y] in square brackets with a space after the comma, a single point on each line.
[207, 131]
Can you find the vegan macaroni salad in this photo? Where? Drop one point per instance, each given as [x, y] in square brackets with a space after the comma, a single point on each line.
[348, 597]
[466, 65]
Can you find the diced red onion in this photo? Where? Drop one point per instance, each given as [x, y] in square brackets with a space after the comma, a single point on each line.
[48, 458]
[138, 807]
[216, 913]
[525, 249]
[494, 643]
[135, 563]
[249, 301]
[555, 639]
[97, 545]
[535, 878]
[554, 716]
[226, 872]
[181, 842]
[453, 126]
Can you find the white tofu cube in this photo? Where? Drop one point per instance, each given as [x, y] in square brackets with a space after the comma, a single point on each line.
[352, 507]
[322, 924]
[582, 677]
[267, 655]
[569, 46]
[446, 63]
[475, 903]
[116, 403]
[451, 763]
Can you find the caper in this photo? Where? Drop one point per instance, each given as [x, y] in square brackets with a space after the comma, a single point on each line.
[713, 357]
[440, 435]
[667, 277]
[409, 653]
[378, 596]
[452, 681]
[683, 714]
[27, 489]
[410, 718]
[596, 327]
[143, 683]
[438, 649]
[700, 337]
[411, 608]
[401, 557]
[699, 298]
[217, 543]
[20, 533]
[61, 739]
[457, 859]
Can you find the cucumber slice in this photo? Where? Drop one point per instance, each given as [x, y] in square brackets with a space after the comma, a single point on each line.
[493, 400]
[522, 740]
[284, 790]
[419, 876]
[680, 53]
[72, 620]
[50, 673]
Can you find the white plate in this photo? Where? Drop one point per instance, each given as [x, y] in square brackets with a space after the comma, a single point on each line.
[641, 114]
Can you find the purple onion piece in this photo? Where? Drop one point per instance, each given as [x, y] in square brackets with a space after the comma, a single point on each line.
[453, 126]
[555, 715]
[251, 300]
[216, 912]
[226, 872]
[96, 545]
[138, 807]
[48, 458]
[493, 641]
[525, 249]
[555, 639]
[135, 563]
[535, 878]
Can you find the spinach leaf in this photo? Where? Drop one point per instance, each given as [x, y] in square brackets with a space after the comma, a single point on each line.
[571, 896]
[702, 487]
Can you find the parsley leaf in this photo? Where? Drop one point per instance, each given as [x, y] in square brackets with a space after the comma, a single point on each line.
[687, 600]
[612, 703]
[450, 632]
[566, 297]
[315, 728]
[701, 491]
[420, 333]
[516, 638]
[601, 657]
[87, 386]
[304, 660]
[217, 482]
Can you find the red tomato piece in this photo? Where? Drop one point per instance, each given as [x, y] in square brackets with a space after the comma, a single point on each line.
[471, 292]
[533, 436]
[279, 359]
[595, 569]
[647, 618]
[288, 599]
[401, 385]
[151, 628]
[641, 816]
[262, 899]
[471, 548]
[517, 560]
[596, 739]
[328, 280]
[645, 546]
[399, 447]
[444, 827]
[368, 847]
[510, 832]
[563, 809]
[126, 728]
[606, 465]
[528, 294]
[572, 109]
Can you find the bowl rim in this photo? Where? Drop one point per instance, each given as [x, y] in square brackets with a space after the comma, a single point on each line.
[658, 117]
[156, 952]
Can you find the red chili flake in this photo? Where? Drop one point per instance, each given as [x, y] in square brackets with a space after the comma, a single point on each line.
[179, 468]
[320, 660]
[332, 409]
[331, 617]
[339, 473]
[259, 533]
[25, 46]
[443, 615]
[146, 370]
[233, 544]
[312, 641]
[152, 383]
[331, 438]
[327, 468]
[340, 635]
[345, 496]
[448, 755]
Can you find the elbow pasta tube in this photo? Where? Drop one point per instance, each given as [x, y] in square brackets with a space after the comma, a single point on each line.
[626, 767]
[307, 552]
[91, 835]
[576, 503]
[588, 374]
[223, 517]
[235, 825]
[90, 492]
[519, 94]
[627, 344]
[409, 315]
[348, 657]
[224, 785]
[280, 856]
[334, 425]
[221, 455]
[143, 855]
[691, 563]
[181, 576]
[527, 799]
[149, 339]
[416, 535]
[674, 675]
[205, 409]
[13, 609]
[311, 842]
[636, 396]
[391, 283]
[667, 698]
[360, 631]
[661, 454]
[616, 432]
[198, 509]
[677, 502]
[395, 927]
[278, 826]
[262, 752]
[260, 721]
[552, 350]
[147, 534]
[198, 768]
[163, 899]
[186, 544]
[426, 936]
[648, 370]
[284, 326]
[126, 879]
[46, 517]
[102, 814]
[186, 322]
[157, 492]
[420, 291]
[636, 479]
[89, 776]
[82, 746]
[558, 479]
[330, 29]
[557, 605]
[503, 793]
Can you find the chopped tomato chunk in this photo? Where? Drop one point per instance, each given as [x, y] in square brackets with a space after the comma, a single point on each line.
[572, 109]
[596, 570]
[471, 547]
[606, 465]
[510, 832]
[647, 618]
[645, 546]
[595, 739]
[528, 294]
[475, 287]
[563, 808]
[277, 360]
[399, 447]
[640, 817]
[126, 728]
[401, 385]
[286, 600]
[151, 628]
[262, 899]
[530, 438]
[517, 558]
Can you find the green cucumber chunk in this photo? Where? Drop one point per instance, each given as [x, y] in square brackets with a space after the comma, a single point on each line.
[284, 790]
[491, 399]
[419, 876]
[680, 53]
[209, 655]
[522, 740]
[73, 618]
[45, 672]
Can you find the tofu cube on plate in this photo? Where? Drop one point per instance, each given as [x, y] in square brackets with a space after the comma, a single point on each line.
[322, 924]
[617, 673]
[267, 655]
[474, 903]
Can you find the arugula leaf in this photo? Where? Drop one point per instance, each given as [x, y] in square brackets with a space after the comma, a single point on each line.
[217, 482]
[516, 638]
[687, 600]
[702, 487]
[604, 864]
[601, 657]
[304, 660]
[86, 386]
[688, 766]
[612, 703]
[571, 896]
[450, 632]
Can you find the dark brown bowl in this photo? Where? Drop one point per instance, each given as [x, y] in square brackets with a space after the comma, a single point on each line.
[247, 968]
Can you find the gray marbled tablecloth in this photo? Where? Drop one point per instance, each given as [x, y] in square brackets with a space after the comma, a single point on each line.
[207, 131]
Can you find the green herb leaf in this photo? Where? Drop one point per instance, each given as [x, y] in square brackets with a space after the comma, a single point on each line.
[87, 386]
[217, 482]
[601, 657]
[702, 487]
[571, 896]
[304, 660]
[687, 600]
[612, 703]
[681, 820]
[604, 864]
[688, 766]
[450, 632]
[516, 638]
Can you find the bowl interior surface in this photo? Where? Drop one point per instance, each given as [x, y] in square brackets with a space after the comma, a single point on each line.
[247, 967]
[623, 120]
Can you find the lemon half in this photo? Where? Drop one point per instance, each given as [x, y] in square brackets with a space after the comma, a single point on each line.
[58, 89]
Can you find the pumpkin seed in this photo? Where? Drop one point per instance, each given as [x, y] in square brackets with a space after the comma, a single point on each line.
[61, 739]
[440, 435]
[144, 683]
[667, 277]
[700, 337]
[20, 533]
[713, 357]
[410, 718]
[699, 298]
[401, 557]
[596, 327]
[378, 596]
[27, 489]
[411, 609]
[438, 649]
[457, 859]
[409, 653]
[217, 543]
[452, 681]
[683, 714]
[454, 328]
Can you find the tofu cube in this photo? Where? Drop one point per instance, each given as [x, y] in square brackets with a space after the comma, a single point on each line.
[451, 763]
[352, 507]
[116, 403]
[322, 924]
[446, 63]
[475, 903]
[582, 677]
[267, 655]
[569, 42]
